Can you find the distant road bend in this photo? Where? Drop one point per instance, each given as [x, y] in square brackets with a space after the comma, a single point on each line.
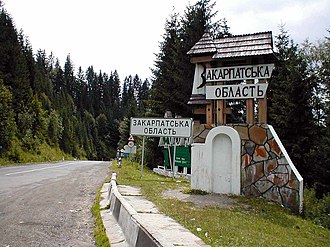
[49, 204]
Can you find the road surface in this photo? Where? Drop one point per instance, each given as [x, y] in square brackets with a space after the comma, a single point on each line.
[49, 204]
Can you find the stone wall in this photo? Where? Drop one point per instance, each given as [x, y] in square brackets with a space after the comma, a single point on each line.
[266, 169]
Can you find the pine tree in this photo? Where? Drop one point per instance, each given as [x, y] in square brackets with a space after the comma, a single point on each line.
[318, 58]
[13, 65]
[129, 101]
[81, 91]
[55, 128]
[69, 78]
[173, 73]
[103, 138]
[7, 118]
[290, 111]
[42, 82]
[166, 74]
[143, 96]
[91, 79]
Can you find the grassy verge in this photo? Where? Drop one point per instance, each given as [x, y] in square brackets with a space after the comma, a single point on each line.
[251, 222]
[43, 153]
[101, 239]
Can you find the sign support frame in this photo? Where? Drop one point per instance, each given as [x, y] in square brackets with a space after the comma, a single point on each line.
[142, 161]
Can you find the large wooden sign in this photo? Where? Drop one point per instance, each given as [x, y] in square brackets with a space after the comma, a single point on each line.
[261, 71]
[161, 127]
[240, 91]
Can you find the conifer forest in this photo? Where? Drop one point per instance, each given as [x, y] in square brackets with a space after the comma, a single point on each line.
[50, 110]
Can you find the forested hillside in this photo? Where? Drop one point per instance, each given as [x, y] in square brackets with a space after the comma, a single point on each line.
[85, 114]
[45, 106]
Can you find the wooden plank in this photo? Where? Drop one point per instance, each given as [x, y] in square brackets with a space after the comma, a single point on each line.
[262, 112]
[227, 111]
[221, 118]
[220, 105]
[250, 107]
[209, 113]
[199, 110]
[202, 59]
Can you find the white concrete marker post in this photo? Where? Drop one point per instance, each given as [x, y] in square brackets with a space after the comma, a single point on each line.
[174, 157]
[171, 161]
[142, 156]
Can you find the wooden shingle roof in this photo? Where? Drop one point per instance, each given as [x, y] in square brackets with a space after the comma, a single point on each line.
[234, 46]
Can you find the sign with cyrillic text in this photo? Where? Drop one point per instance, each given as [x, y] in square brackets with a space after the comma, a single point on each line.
[240, 91]
[161, 127]
[261, 71]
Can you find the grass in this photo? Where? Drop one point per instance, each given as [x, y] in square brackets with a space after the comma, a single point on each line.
[101, 239]
[251, 222]
[43, 153]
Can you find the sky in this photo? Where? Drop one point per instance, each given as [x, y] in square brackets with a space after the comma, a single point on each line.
[124, 35]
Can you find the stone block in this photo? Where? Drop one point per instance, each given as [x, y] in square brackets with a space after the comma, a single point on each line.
[204, 133]
[259, 171]
[246, 160]
[290, 198]
[260, 154]
[247, 176]
[253, 173]
[258, 135]
[275, 148]
[281, 169]
[273, 194]
[270, 165]
[197, 129]
[278, 179]
[251, 191]
[263, 185]
[199, 140]
[243, 131]
[249, 147]
[282, 161]
[293, 184]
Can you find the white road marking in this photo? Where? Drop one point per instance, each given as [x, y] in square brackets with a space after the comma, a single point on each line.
[39, 169]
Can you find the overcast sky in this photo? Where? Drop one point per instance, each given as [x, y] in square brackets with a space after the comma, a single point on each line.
[124, 35]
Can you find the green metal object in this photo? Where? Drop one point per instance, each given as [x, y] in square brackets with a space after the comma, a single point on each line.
[182, 157]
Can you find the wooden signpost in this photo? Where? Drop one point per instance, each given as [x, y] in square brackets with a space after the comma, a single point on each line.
[231, 68]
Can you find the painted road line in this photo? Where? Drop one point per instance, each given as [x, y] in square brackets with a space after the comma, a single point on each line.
[39, 169]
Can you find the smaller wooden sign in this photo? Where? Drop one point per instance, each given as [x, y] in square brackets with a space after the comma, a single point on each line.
[240, 91]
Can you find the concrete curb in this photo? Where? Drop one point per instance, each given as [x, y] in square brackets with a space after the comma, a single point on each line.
[126, 217]
[139, 221]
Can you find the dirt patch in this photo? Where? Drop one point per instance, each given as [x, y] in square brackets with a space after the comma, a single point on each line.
[218, 200]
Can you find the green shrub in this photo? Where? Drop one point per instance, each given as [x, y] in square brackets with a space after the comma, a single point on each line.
[317, 210]
[42, 153]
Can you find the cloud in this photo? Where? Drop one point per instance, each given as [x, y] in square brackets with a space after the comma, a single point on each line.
[302, 18]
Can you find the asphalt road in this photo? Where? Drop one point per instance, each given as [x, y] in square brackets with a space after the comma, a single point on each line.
[49, 204]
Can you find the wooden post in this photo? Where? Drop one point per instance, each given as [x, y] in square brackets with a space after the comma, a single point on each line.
[209, 113]
[262, 113]
[221, 120]
[250, 107]
[220, 106]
